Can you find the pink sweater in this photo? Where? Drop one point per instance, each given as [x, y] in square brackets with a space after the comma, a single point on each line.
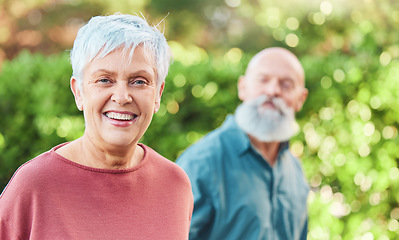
[51, 197]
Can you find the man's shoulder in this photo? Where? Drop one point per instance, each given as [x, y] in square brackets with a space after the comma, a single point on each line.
[215, 139]
[207, 147]
[213, 149]
[294, 160]
[205, 157]
[291, 165]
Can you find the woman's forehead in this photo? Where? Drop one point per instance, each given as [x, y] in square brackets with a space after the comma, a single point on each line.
[119, 60]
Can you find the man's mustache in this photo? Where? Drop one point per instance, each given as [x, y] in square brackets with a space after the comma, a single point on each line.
[278, 103]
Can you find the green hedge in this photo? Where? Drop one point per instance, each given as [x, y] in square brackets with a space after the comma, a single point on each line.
[35, 103]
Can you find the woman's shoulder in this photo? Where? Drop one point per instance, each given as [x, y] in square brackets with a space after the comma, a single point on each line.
[28, 175]
[33, 166]
[32, 173]
[164, 166]
[153, 156]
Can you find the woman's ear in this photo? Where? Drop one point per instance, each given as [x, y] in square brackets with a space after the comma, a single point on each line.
[77, 93]
[158, 98]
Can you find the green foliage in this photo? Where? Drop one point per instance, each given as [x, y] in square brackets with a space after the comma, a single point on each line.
[349, 124]
[37, 109]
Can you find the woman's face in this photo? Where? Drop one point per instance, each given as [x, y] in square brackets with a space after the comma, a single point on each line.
[118, 97]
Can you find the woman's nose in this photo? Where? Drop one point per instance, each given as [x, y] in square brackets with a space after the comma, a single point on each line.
[121, 94]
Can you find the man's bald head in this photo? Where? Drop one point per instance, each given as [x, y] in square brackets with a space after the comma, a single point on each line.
[277, 53]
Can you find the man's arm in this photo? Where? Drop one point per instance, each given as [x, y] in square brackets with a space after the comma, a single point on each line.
[203, 214]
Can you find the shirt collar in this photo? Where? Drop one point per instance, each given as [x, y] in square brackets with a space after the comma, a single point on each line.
[241, 143]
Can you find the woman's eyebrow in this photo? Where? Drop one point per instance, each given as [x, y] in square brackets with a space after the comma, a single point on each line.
[103, 71]
[149, 75]
[142, 72]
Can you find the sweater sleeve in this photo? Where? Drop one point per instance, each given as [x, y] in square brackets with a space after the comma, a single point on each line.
[15, 212]
[6, 232]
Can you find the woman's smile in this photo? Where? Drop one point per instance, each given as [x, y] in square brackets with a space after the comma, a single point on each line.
[121, 116]
[120, 119]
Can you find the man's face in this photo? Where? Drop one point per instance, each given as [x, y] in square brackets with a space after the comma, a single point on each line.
[118, 97]
[276, 75]
[272, 90]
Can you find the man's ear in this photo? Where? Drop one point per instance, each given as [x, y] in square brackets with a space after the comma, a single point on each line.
[158, 99]
[77, 93]
[241, 87]
[301, 99]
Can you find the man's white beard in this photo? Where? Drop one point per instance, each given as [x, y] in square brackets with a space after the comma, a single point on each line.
[267, 125]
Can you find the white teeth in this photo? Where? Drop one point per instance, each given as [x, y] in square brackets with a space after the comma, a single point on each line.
[119, 116]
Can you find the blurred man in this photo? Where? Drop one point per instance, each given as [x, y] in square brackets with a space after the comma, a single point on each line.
[246, 183]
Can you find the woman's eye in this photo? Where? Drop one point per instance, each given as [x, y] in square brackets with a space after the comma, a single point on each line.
[138, 82]
[104, 80]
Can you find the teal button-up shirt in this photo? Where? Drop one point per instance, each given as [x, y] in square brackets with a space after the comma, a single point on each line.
[238, 195]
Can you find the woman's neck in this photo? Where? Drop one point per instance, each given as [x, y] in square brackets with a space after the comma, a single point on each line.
[86, 153]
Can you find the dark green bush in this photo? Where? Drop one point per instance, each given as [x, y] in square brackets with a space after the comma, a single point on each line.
[35, 104]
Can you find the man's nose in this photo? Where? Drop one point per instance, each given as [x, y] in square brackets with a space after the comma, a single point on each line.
[272, 88]
[121, 94]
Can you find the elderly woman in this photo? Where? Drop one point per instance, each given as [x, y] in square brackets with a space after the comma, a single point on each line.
[105, 185]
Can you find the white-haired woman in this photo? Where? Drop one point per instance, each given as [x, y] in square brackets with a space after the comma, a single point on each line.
[105, 185]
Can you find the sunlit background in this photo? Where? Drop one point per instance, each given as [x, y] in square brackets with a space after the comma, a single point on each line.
[349, 125]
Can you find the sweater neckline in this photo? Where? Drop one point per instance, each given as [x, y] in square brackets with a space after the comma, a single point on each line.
[57, 156]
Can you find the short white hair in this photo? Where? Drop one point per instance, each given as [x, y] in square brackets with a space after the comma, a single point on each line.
[104, 34]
